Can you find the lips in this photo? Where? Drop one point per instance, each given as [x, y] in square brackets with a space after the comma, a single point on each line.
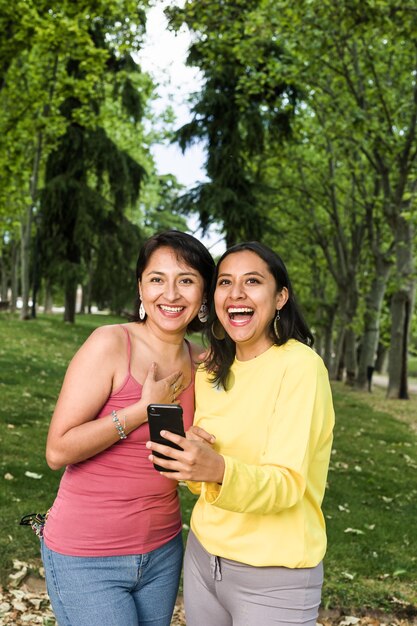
[236, 312]
[239, 316]
[171, 310]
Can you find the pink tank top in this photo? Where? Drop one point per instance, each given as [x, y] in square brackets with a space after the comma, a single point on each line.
[116, 503]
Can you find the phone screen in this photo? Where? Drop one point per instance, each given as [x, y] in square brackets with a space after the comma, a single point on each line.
[165, 417]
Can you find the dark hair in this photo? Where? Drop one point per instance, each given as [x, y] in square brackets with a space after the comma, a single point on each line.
[189, 250]
[291, 323]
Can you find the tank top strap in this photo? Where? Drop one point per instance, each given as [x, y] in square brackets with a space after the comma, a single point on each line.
[128, 346]
[191, 357]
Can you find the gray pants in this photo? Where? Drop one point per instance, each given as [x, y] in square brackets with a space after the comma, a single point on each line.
[221, 592]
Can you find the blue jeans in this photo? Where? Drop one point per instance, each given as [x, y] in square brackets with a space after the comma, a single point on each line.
[133, 590]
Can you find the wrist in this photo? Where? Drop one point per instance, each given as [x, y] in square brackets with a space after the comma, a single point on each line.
[220, 471]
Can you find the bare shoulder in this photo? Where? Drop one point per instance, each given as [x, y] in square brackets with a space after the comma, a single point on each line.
[104, 341]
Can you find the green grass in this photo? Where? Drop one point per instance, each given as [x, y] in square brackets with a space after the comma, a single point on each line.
[370, 504]
[370, 507]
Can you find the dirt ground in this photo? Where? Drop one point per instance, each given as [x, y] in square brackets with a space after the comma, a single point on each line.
[25, 603]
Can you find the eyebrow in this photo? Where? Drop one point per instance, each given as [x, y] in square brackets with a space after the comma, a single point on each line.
[191, 273]
[254, 273]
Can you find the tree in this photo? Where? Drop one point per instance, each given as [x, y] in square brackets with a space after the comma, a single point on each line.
[40, 86]
[359, 59]
[240, 108]
[87, 178]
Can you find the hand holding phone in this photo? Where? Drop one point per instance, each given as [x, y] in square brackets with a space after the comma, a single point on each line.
[165, 417]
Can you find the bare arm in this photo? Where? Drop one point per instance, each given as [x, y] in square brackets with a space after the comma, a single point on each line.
[74, 434]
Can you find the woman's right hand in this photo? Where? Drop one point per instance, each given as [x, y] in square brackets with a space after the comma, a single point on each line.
[163, 391]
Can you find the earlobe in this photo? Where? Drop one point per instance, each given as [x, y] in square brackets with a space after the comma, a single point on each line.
[282, 298]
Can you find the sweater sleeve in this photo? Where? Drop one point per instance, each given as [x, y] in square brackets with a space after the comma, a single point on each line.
[194, 487]
[299, 431]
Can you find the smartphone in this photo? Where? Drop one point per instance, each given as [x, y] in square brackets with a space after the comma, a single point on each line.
[165, 417]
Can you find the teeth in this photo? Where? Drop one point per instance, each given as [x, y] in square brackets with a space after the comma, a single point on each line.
[171, 309]
[239, 310]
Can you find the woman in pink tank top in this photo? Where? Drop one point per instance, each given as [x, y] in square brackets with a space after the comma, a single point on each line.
[112, 546]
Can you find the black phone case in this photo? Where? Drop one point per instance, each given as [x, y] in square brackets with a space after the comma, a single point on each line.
[165, 417]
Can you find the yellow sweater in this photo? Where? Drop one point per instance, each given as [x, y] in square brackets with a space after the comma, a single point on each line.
[274, 429]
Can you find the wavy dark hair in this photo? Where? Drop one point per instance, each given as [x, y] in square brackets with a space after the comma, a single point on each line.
[188, 250]
[291, 324]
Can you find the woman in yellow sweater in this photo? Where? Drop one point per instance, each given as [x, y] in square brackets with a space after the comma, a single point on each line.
[257, 538]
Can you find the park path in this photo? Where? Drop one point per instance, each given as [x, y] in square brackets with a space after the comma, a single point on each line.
[381, 380]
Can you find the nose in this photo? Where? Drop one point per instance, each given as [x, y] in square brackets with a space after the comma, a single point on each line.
[171, 290]
[236, 291]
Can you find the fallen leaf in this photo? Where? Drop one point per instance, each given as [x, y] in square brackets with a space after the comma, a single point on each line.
[33, 475]
[17, 577]
[349, 620]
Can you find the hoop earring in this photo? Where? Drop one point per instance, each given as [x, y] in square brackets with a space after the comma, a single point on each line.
[142, 312]
[276, 320]
[203, 312]
[218, 331]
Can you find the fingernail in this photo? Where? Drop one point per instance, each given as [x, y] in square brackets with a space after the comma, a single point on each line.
[148, 444]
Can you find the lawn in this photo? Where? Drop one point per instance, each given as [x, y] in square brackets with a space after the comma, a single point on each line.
[370, 505]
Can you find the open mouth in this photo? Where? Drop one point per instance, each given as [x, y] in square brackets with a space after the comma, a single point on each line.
[240, 313]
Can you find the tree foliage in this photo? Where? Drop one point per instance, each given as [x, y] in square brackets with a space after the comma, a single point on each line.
[340, 189]
[73, 148]
[240, 109]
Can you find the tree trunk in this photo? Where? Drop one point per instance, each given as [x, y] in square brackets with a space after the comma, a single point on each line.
[345, 347]
[14, 276]
[70, 299]
[328, 345]
[370, 339]
[89, 285]
[350, 356]
[4, 277]
[336, 370]
[83, 304]
[26, 230]
[401, 311]
[48, 302]
[35, 276]
[397, 366]
[324, 338]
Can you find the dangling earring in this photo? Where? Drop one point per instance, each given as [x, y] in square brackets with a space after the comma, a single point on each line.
[203, 312]
[142, 311]
[218, 331]
[276, 320]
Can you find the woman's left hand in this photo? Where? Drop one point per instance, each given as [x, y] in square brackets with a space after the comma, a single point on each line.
[197, 461]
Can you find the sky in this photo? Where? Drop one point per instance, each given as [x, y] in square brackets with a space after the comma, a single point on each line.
[163, 56]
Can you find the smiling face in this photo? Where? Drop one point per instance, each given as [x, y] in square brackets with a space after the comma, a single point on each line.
[246, 299]
[171, 291]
